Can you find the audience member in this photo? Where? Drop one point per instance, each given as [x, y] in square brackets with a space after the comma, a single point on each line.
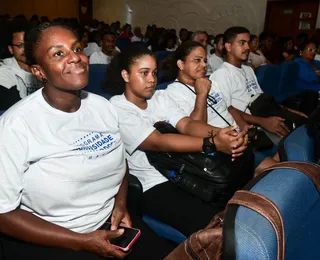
[139, 107]
[309, 73]
[16, 80]
[108, 50]
[202, 38]
[215, 60]
[126, 33]
[138, 36]
[256, 58]
[288, 53]
[67, 173]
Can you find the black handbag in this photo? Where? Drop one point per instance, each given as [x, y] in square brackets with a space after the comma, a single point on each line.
[212, 178]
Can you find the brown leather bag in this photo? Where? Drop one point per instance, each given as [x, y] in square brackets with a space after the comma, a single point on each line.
[207, 244]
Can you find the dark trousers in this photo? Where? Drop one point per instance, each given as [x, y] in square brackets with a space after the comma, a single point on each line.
[149, 246]
[170, 204]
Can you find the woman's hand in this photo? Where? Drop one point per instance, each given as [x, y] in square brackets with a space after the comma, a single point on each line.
[202, 86]
[229, 141]
[120, 217]
[97, 242]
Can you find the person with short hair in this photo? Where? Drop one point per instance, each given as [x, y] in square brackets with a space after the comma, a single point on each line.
[239, 86]
[309, 73]
[108, 50]
[63, 170]
[16, 80]
[215, 60]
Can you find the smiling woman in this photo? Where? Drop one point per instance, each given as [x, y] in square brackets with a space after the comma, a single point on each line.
[62, 164]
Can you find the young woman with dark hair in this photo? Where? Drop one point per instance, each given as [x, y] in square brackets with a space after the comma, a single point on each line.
[62, 164]
[139, 108]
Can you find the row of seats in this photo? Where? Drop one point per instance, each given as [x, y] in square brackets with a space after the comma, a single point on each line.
[279, 81]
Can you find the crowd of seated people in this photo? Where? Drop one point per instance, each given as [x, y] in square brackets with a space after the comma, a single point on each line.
[51, 167]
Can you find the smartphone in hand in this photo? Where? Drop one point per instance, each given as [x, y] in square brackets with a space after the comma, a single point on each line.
[126, 240]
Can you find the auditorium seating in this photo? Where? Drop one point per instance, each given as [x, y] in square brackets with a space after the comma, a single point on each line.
[297, 146]
[123, 43]
[251, 236]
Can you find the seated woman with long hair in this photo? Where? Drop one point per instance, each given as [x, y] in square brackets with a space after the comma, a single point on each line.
[139, 108]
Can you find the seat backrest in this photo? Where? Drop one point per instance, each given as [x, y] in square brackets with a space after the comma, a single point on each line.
[297, 146]
[298, 201]
[161, 55]
[268, 77]
[289, 76]
[164, 85]
[97, 73]
[1, 112]
[123, 43]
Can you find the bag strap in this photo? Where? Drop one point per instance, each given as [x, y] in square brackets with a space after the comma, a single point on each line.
[309, 169]
[267, 209]
[212, 99]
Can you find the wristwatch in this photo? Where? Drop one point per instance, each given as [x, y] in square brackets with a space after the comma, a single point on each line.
[208, 147]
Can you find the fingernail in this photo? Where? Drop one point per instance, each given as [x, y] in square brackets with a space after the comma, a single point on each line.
[121, 231]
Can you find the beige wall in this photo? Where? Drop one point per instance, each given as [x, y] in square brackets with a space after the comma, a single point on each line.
[214, 16]
[50, 8]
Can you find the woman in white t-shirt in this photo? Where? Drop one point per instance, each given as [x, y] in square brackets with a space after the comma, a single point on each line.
[139, 108]
[192, 91]
[256, 58]
[62, 164]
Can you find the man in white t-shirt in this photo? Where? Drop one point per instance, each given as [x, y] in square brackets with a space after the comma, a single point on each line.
[138, 36]
[238, 83]
[202, 37]
[16, 80]
[108, 50]
[216, 59]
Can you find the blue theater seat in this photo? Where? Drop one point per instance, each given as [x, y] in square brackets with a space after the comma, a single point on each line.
[97, 73]
[1, 112]
[122, 43]
[269, 77]
[253, 237]
[162, 229]
[164, 85]
[288, 80]
[298, 146]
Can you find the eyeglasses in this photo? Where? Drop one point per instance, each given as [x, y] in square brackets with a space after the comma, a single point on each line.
[18, 45]
[312, 50]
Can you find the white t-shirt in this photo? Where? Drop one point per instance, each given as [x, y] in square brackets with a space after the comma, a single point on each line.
[63, 167]
[136, 125]
[91, 48]
[214, 62]
[257, 59]
[12, 75]
[136, 39]
[186, 100]
[237, 85]
[99, 58]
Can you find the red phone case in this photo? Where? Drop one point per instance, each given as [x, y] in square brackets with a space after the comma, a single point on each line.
[131, 243]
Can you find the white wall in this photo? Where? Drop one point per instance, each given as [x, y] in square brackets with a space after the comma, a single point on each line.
[214, 16]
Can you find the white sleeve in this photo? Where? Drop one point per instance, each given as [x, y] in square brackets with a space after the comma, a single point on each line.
[175, 114]
[133, 128]
[220, 81]
[176, 94]
[7, 77]
[94, 58]
[13, 147]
